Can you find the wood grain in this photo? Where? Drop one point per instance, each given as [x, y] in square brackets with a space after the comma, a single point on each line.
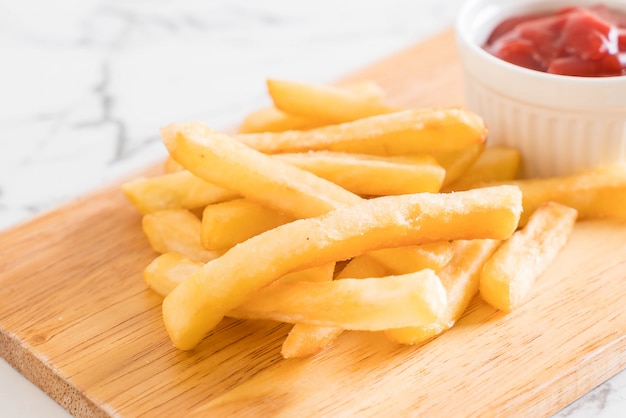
[77, 319]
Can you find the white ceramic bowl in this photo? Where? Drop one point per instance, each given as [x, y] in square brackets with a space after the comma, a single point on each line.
[561, 124]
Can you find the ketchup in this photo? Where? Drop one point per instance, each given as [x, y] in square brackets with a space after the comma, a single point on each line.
[577, 41]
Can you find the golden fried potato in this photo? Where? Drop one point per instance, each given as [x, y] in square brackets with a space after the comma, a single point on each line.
[402, 260]
[360, 304]
[457, 162]
[168, 270]
[493, 164]
[353, 304]
[508, 276]
[228, 223]
[306, 340]
[418, 131]
[370, 175]
[325, 103]
[311, 340]
[364, 266]
[271, 119]
[595, 193]
[176, 230]
[177, 190]
[220, 160]
[460, 278]
[198, 304]
[321, 273]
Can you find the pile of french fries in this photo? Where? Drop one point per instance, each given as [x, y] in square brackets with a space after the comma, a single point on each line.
[333, 211]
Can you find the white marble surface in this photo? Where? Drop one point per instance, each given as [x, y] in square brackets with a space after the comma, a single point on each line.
[85, 85]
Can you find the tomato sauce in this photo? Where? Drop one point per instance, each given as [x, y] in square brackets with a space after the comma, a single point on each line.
[576, 41]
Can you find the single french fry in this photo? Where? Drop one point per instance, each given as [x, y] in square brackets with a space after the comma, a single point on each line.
[176, 230]
[364, 266]
[595, 193]
[321, 273]
[178, 190]
[198, 304]
[167, 271]
[493, 164]
[271, 119]
[509, 275]
[460, 278]
[417, 131]
[322, 102]
[457, 162]
[228, 223]
[220, 160]
[402, 260]
[352, 304]
[370, 175]
[305, 340]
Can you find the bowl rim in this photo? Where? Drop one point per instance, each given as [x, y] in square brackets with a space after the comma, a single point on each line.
[474, 22]
[509, 8]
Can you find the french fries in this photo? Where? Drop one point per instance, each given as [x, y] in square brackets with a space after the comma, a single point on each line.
[508, 276]
[379, 263]
[197, 305]
[357, 304]
[170, 269]
[306, 339]
[220, 160]
[331, 211]
[461, 279]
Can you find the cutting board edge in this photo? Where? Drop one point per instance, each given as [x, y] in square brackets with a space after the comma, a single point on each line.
[33, 366]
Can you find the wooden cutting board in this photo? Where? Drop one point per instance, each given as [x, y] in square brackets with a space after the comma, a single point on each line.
[77, 320]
